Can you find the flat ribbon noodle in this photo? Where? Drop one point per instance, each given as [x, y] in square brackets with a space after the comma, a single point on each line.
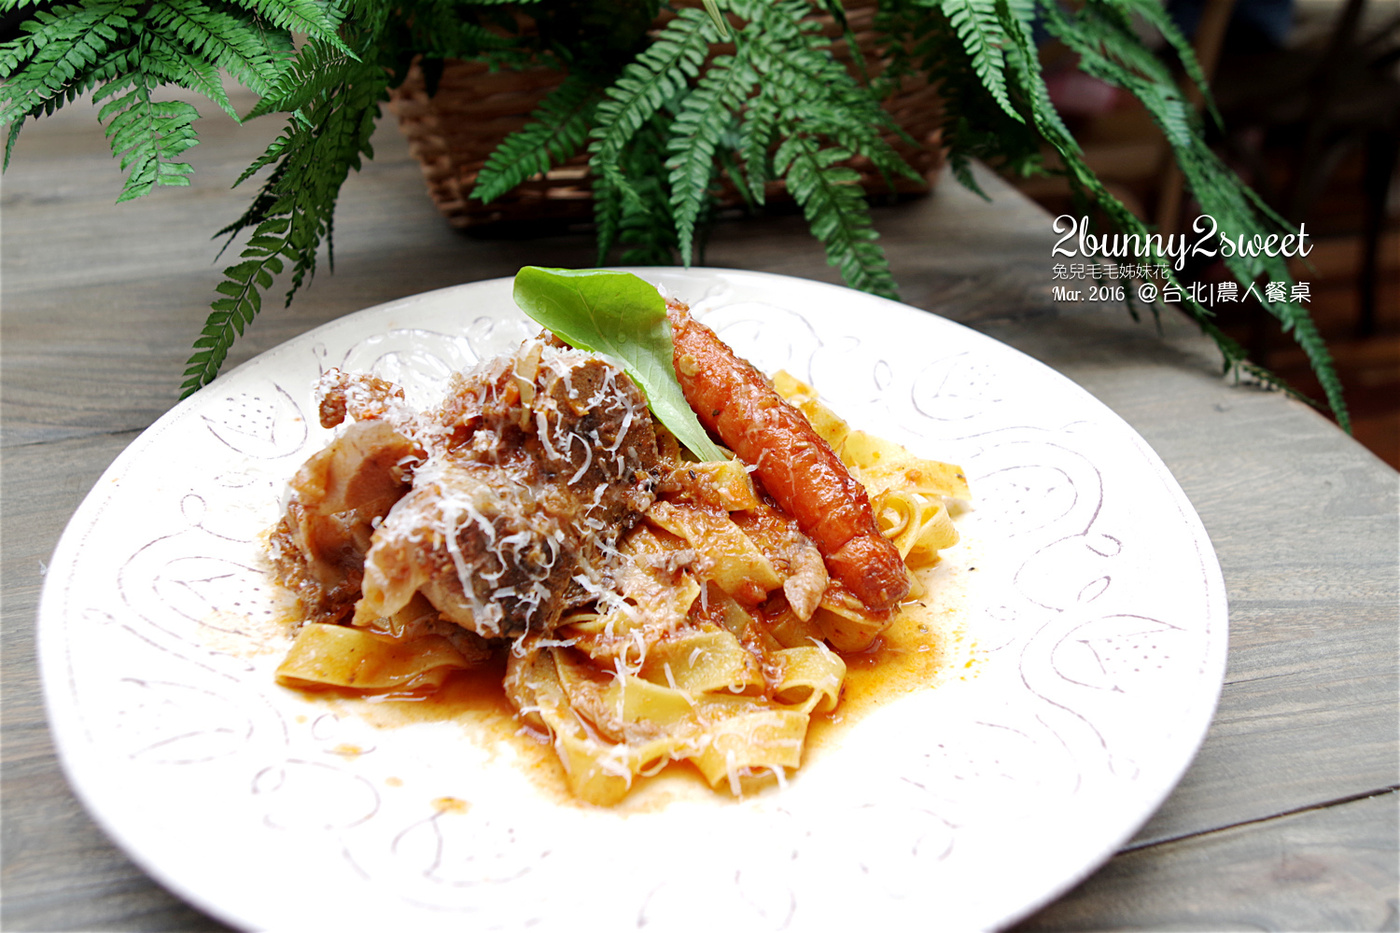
[324, 655]
[700, 696]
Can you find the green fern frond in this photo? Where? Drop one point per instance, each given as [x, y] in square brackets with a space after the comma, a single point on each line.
[607, 212]
[1025, 74]
[292, 216]
[727, 164]
[656, 76]
[832, 202]
[758, 129]
[125, 52]
[438, 29]
[823, 117]
[59, 54]
[705, 116]
[218, 39]
[660, 113]
[919, 40]
[656, 79]
[147, 135]
[829, 102]
[1021, 58]
[647, 229]
[978, 27]
[316, 19]
[556, 131]
[319, 68]
[163, 63]
[264, 201]
[1155, 14]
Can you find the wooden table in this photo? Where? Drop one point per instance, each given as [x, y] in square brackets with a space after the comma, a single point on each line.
[1286, 820]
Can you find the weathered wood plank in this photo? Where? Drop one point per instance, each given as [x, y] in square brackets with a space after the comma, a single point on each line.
[1328, 869]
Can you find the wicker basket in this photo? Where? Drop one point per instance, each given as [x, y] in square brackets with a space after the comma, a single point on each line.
[454, 131]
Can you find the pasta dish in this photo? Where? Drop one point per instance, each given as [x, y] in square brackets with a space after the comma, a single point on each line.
[646, 603]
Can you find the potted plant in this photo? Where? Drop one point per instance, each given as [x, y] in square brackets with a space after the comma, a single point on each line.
[668, 111]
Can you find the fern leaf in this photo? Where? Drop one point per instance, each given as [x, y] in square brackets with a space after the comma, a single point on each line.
[292, 215]
[607, 212]
[919, 40]
[727, 165]
[112, 47]
[835, 209]
[656, 76]
[794, 58]
[812, 104]
[705, 115]
[318, 68]
[148, 136]
[1021, 56]
[218, 40]
[1156, 15]
[556, 131]
[318, 20]
[439, 30]
[59, 54]
[647, 228]
[758, 128]
[163, 63]
[979, 28]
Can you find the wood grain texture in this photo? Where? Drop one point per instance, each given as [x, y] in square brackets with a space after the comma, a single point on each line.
[1318, 869]
[1284, 821]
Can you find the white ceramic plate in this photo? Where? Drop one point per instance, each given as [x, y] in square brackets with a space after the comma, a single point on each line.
[1093, 636]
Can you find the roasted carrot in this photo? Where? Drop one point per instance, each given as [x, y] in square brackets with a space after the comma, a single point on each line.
[798, 468]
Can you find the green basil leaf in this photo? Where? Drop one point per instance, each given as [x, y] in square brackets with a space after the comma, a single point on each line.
[624, 317]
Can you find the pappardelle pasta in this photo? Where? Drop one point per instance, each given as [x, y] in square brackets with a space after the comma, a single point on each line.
[650, 608]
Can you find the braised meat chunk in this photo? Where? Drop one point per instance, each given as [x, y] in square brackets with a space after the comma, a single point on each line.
[502, 506]
[337, 498]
